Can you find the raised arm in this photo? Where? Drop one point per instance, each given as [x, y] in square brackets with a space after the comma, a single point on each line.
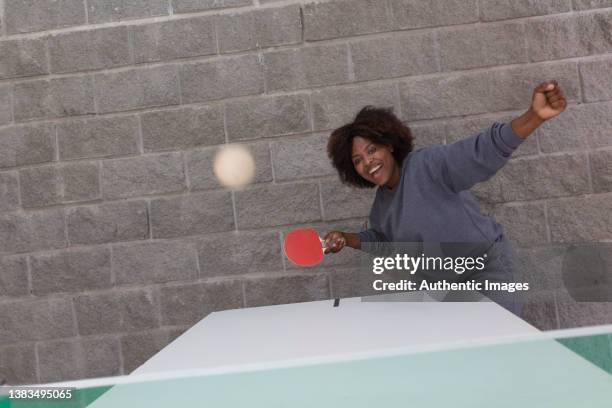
[475, 159]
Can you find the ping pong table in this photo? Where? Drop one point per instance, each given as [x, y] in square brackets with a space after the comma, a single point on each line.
[362, 352]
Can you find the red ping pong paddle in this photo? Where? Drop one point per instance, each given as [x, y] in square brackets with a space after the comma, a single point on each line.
[304, 247]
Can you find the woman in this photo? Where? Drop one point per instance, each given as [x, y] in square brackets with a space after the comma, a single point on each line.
[423, 195]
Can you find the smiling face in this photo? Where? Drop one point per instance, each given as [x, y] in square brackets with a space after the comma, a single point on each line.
[375, 163]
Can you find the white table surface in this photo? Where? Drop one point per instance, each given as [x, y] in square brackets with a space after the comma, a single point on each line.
[318, 329]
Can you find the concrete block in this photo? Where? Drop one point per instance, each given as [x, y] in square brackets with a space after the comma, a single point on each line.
[80, 181]
[545, 177]
[24, 16]
[321, 20]
[271, 205]
[32, 231]
[396, 56]
[306, 67]
[590, 4]
[301, 158]
[75, 359]
[259, 29]
[408, 14]
[73, 270]
[267, 116]
[48, 185]
[40, 186]
[193, 214]
[335, 107]
[14, 276]
[571, 130]
[151, 174]
[597, 85]
[225, 78]
[109, 222]
[137, 88]
[601, 167]
[32, 319]
[428, 134]
[480, 46]
[46, 99]
[154, 262]
[22, 58]
[18, 364]
[89, 50]
[117, 311]
[174, 39]
[99, 137]
[237, 253]
[491, 10]
[182, 128]
[569, 36]
[524, 224]
[6, 108]
[187, 304]
[102, 11]
[581, 219]
[9, 191]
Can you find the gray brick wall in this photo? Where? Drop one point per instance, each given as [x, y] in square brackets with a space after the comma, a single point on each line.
[114, 234]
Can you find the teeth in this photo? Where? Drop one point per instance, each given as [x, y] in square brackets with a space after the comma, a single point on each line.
[375, 168]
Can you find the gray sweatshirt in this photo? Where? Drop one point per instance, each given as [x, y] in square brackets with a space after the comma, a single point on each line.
[432, 203]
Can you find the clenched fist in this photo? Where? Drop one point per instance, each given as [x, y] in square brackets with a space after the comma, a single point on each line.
[548, 100]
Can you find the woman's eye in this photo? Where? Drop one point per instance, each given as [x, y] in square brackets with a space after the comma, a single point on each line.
[371, 150]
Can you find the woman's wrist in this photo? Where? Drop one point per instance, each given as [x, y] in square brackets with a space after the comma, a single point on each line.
[352, 240]
[526, 124]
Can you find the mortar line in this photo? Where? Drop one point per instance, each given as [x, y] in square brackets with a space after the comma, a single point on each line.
[37, 361]
[113, 277]
[11, 89]
[349, 62]
[150, 228]
[29, 274]
[243, 287]
[271, 163]
[234, 210]
[589, 173]
[185, 171]
[140, 141]
[547, 222]
[86, 12]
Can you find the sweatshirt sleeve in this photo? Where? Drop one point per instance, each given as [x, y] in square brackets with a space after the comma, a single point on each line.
[373, 242]
[462, 164]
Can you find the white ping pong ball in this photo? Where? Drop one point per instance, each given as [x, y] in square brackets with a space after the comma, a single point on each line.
[234, 166]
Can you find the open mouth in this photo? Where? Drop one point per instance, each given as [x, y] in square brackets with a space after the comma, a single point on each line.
[376, 171]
